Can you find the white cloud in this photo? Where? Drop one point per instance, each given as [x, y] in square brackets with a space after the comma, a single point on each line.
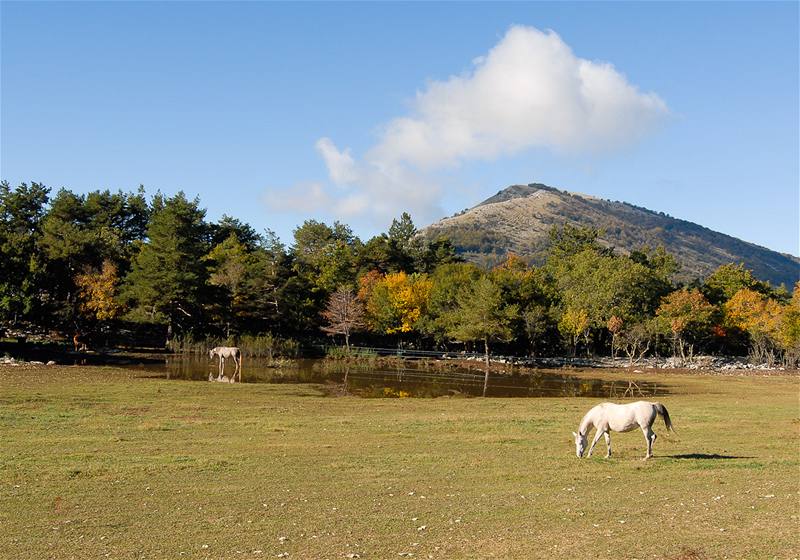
[529, 91]
[341, 166]
[303, 198]
[374, 201]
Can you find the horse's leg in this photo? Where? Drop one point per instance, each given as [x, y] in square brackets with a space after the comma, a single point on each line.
[648, 437]
[599, 433]
[653, 437]
[221, 368]
[608, 444]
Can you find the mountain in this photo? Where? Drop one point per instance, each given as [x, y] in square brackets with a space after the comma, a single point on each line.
[518, 219]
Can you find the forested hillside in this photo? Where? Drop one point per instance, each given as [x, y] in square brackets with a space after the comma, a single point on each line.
[89, 263]
[517, 220]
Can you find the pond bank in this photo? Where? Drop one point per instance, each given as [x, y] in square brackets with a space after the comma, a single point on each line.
[15, 352]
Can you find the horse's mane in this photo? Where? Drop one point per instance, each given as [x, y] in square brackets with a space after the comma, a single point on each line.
[583, 428]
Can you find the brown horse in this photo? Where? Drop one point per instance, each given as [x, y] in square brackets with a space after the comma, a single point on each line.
[80, 341]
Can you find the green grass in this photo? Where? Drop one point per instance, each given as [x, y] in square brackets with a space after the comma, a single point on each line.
[96, 463]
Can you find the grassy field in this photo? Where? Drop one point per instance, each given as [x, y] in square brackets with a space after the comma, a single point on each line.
[97, 463]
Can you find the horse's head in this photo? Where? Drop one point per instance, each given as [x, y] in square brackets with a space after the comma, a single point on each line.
[580, 444]
[211, 353]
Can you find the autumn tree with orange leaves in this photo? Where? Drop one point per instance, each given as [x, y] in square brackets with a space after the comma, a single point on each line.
[761, 318]
[687, 316]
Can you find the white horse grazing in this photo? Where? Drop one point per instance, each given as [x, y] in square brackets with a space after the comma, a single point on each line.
[223, 352]
[620, 418]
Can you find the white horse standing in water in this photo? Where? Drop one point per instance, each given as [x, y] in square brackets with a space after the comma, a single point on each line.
[223, 352]
[620, 418]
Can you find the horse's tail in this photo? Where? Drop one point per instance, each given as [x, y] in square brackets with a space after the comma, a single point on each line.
[662, 410]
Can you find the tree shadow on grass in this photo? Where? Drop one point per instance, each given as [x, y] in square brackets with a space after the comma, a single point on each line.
[708, 456]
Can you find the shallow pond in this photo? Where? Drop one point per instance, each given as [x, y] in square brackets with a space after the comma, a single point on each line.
[414, 381]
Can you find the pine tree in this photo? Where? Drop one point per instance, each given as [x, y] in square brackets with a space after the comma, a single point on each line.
[169, 273]
[21, 213]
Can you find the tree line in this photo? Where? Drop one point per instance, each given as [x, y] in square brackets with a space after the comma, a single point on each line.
[90, 261]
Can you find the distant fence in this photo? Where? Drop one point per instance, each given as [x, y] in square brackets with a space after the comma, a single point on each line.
[413, 354]
[405, 352]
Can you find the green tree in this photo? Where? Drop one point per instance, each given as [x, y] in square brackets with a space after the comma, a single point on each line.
[482, 315]
[169, 272]
[243, 232]
[375, 254]
[321, 259]
[268, 267]
[662, 268]
[402, 249]
[538, 322]
[428, 255]
[21, 212]
[569, 240]
[229, 263]
[82, 231]
[326, 255]
[526, 287]
[247, 277]
[402, 230]
[68, 245]
[603, 286]
[448, 282]
[728, 279]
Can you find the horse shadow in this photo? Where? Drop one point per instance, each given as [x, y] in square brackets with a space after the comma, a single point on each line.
[709, 456]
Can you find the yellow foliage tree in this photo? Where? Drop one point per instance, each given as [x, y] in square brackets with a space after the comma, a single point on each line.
[790, 330]
[409, 296]
[97, 291]
[760, 317]
[395, 302]
[574, 323]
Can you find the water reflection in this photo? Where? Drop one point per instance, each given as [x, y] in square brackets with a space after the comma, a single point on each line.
[381, 382]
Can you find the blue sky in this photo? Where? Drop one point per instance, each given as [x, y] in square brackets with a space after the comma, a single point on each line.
[274, 113]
